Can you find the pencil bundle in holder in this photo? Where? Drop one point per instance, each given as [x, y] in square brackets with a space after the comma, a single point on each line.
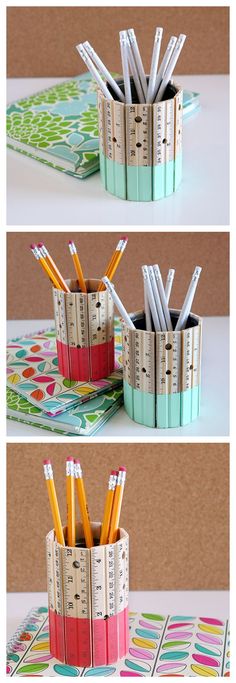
[84, 331]
[162, 372]
[88, 599]
[140, 120]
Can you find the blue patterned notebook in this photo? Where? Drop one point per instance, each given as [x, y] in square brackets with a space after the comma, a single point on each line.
[59, 126]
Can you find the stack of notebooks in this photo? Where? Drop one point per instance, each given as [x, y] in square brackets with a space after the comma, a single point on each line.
[158, 646]
[59, 126]
[39, 396]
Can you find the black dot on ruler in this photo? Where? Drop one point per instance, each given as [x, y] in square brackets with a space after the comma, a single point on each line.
[138, 144]
[76, 564]
[168, 347]
[77, 596]
[168, 372]
[106, 616]
[191, 367]
[144, 370]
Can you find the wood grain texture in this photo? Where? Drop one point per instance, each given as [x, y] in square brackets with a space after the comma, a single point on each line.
[41, 40]
[175, 509]
[32, 298]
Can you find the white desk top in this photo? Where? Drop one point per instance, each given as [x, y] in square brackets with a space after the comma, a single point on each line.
[40, 195]
[213, 420]
[211, 603]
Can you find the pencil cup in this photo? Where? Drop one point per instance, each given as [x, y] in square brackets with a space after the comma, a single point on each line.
[88, 599]
[141, 145]
[161, 372]
[84, 332]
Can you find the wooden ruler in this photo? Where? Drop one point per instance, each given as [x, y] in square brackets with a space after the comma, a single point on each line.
[77, 605]
[178, 128]
[139, 135]
[168, 362]
[114, 136]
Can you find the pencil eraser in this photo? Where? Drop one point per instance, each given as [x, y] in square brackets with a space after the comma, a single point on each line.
[47, 462]
[70, 242]
[114, 472]
[124, 237]
[122, 469]
[77, 461]
[69, 459]
[40, 244]
[32, 246]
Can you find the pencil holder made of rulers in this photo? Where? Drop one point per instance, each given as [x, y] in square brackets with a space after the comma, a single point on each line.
[84, 332]
[141, 145]
[88, 592]
[161, 372]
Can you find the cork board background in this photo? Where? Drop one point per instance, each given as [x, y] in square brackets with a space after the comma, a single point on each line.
[175, 509]
[41, 40]
[32, 298]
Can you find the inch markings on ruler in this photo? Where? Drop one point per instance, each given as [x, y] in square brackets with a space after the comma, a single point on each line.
[71, 319]
[62, 313]
[82, 319]
[187, 355]
[168, 362]
[178, 122]
[170, 135]
[159, 133]
[56, 314]
[58, 576]
[101, 121]
[139, 134]
[144, 360]
[196, 359]
[77, 608]
[110, 317]
[50, 573]
[97, 318]
[119, 132]
[98, 605]
[127, 351]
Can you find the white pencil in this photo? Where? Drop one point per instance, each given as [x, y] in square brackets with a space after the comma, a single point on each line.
[118, 303]
[125, 65]
[164, 63]
[147, 310]
[103, 69]
[169, 283]
[186, 308]
[154, 65]
[151, 299]
[93, 71]
[161, 291]
[157, 299]
[134, 73]
[138, 60]
[171, 66]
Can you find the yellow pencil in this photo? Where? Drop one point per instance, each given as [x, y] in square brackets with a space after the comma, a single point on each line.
[116, 508]
[70, 501]
[78, 269]
[45, 266]
[114, 262]
[48, 473]
[49, 260]
[83, 505]
[108, 507]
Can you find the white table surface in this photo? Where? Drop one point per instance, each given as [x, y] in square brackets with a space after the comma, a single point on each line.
[40, 195]
[199, 603]
[214, 418]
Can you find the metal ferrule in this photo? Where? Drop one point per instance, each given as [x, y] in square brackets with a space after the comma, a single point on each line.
[112, 482]
[145, 272]
[72, 248]
[78, 470]
[121, 245]
[196, 273]
[123, 38]
[43, 251]
[36, 253]
[121, 478]
[48, 471]
[70, 468]
[131, 35]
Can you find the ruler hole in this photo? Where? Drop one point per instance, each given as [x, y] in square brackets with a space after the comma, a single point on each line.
[138, 119]
[77, 596]
[144, 370]
[98, 304]
[168, 347]
[191, 367]
[76, 564]
[138, 144]
[168, 372]
[125, 338]
[114, 140]
[99, 328]
[164, 141]
[106, 617]
[123, 555]
[180, 107]
[78, 346]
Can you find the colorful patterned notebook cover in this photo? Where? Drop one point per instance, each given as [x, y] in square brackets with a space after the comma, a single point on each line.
[159, 646]
[32, 372]
[84, 420]
[59, 126]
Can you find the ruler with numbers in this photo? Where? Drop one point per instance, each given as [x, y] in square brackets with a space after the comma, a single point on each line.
[139, 135]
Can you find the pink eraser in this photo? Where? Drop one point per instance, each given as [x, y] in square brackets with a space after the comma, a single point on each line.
[114, 472]
[40, 244]
[124, 237]
[77, 461]
[70, 242]
[122, 469]
[32, 246]
[69, 459]
[47, 462]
